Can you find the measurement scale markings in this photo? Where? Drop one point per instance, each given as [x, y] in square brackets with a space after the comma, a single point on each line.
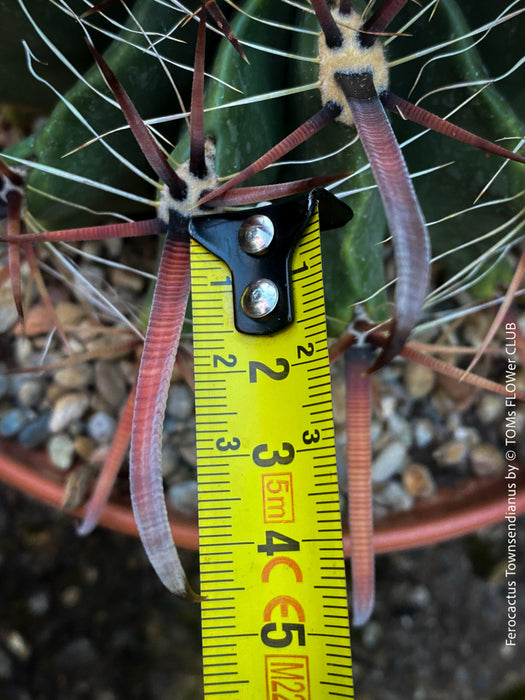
[219, 500]
[312, 335]
[315, 278]
[307, 362]
[214, 415]
[207, 316]
[219, 372]
[301, 382]
[212, 432]
[239, 634]
[218, 405]
[309, 253]
[316, 395]
[216, 527]
[215, 291]
[314, 290]
[313, 325]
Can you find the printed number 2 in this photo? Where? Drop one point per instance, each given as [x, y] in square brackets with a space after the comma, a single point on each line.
[229, 361]
[272, 373]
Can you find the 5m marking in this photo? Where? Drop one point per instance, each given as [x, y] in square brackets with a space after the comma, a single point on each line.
[277, 492]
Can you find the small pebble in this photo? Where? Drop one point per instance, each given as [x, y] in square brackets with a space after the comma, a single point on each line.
[371, 634]
[189, 454]
[419, 596]
[31, 391]
[423, 432]
[171, 425]
[418, 380]
[61, 451]
[68, 408]
[389, 461]
[12, 422]
[126, 279]
[183, 497]
[76, 486]
[84, 447]
[88, 275]
[53, 393]
[400, 428]
[394, 496]
[469, 436]
[375, 430]
[70, 596]
[110, 382]
[93, 248]
[451, 454]
[101, 427]
[36, 432]
[417, 480]
[169, 460]
[91, 574]
[69, 314]
[17, 645]
[76, 377]
[23, 350]
[388, 406]
[128, 370]
[38, 603]
[490, 408]
[180, 401]
[486, 460]
[77, 654]
[38, 320]
[113, 246]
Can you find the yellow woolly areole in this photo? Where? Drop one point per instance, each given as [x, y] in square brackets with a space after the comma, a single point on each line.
[351, 57]
[195, 185]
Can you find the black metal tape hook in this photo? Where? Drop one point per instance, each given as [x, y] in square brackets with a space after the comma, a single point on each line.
[257, 246]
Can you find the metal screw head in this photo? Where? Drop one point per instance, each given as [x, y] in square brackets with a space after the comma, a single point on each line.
[260, 298]
[256, 234]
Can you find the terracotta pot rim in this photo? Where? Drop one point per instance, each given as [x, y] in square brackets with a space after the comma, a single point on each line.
[450, 513]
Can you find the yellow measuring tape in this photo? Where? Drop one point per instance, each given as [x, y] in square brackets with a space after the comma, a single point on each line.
[275, 614]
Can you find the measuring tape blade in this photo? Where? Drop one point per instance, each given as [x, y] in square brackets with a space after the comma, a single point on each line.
[275, 614]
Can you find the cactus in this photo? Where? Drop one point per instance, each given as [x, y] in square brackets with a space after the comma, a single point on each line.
[109, 178]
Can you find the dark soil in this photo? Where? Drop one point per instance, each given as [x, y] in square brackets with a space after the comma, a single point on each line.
[87, 618]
